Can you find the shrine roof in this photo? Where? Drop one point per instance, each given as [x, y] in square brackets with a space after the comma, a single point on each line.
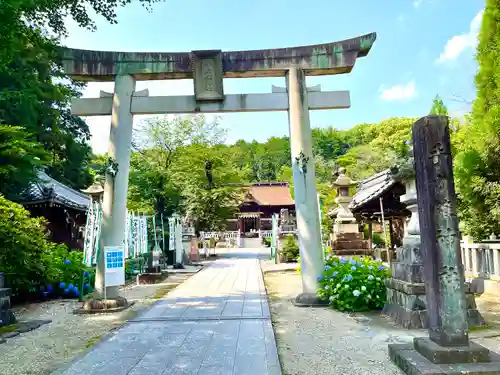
[372, 188]
[47, 189]
[320, 59]
[270, 194]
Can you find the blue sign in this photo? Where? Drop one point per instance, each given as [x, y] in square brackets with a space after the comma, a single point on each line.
[114, 262]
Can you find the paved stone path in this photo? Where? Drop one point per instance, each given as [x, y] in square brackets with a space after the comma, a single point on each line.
[216, 323]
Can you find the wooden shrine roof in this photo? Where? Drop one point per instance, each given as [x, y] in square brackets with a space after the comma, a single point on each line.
[383, 185]
[270, 194]
[47, 190]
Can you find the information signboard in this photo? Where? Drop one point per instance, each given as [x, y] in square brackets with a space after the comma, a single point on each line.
[114, 264]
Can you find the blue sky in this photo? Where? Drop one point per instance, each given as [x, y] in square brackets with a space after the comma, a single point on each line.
[423, 48]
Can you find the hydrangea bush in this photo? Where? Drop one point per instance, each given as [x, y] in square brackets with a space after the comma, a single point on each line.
[355, 284]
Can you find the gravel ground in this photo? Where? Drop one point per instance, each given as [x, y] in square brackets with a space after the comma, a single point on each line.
[45, 349]
[322, 341]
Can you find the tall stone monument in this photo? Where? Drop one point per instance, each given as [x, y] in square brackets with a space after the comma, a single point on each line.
[347, 239]
[448, 349]
[406, 300]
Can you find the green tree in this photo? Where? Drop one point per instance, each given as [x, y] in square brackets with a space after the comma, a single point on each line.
[19, 158]
[169, 157]
[478, 161]
[208, 205]
[438, 107]
[35, 93]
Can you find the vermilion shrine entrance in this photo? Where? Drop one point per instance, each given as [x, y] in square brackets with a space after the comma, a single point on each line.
[208, 69]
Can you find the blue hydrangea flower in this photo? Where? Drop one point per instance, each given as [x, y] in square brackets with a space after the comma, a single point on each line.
[70, 286]
[335, 264]
[331, 298]
[359, 264]
[370, 267]
[363, 288]
[344, 278]
[370, 277]
[327, 267]
[381, 268]
[352, 261]
[327, 287]
[67, 261]
[335, 273]
[66, 291]
[77, 293]
[62, 285]
[353, 268]
[343, 261]
[86, 286]
[349, 277]
[356, 293]
[319, 278]
[86, 274]
[49, 288]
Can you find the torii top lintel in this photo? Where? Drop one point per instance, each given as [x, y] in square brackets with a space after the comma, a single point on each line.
[321, 59]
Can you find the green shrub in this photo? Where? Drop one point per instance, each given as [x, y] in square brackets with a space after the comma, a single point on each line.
[355, 284]
[266, 241]
[134, 266]
[35, 267]
[23, 244]
[290, 248]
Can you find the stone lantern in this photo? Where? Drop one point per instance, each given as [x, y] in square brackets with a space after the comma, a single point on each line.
[96, 192]
[345, 221]
[347, 240]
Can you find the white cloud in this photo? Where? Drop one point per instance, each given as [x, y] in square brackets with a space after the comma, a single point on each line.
[459, 43]
[399, 92]
[417, 3]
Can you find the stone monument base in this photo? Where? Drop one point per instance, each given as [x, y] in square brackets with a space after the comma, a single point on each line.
[425, 357]
[309, 300]
[6, 315]
[407, 306]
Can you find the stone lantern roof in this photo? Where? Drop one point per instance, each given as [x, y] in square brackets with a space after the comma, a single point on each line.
[95, 190]
[343, 180]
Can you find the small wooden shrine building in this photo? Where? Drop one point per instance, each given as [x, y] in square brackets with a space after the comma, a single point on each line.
[64, 208]
[380, 193]
[262, 200]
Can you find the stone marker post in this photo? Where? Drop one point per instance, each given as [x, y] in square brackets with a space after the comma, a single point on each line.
[448, 349]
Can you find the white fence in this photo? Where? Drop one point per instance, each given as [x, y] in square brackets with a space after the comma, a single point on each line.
[481, 259]
[233, 238]
[265, 234]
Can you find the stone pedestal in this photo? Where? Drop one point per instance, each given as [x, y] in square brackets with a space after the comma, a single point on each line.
[353, 243]
[407, 304]
[6, 315]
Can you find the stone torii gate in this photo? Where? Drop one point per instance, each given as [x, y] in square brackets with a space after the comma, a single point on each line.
[208, 69]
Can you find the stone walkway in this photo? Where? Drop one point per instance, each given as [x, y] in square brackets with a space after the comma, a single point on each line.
[216, 323]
